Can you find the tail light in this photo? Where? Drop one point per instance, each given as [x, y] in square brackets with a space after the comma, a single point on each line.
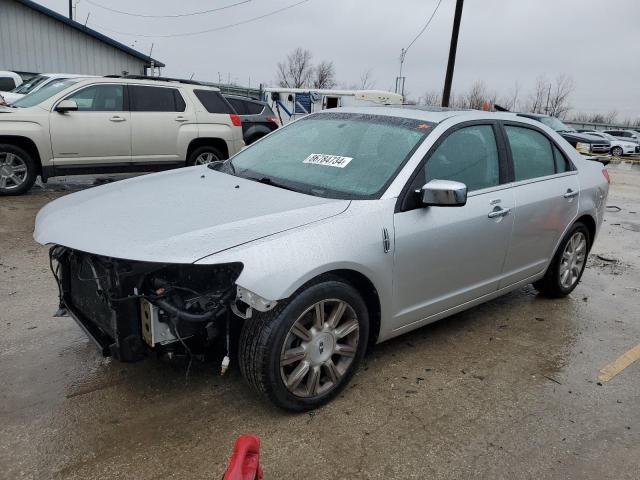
[272, 120]
[235, 119]
[605, 172]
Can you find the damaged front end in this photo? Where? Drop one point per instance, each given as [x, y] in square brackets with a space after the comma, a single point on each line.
[130, 308]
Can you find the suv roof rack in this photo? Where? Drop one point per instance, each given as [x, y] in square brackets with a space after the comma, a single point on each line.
[164, 79]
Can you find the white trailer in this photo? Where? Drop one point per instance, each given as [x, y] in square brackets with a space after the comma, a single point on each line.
[291, 103]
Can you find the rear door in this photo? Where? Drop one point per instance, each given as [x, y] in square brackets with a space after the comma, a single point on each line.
[446, 256]
[99, 132]
[546, 191]
[161, 123]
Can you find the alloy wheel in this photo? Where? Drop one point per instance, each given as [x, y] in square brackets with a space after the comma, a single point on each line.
[573, 259]
[205, 158]
[13, 171]
[319, 348]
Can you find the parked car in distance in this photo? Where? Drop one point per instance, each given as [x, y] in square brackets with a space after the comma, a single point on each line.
[257, 117]
[618, 147]
[34, 84]
[111, 125]
[628, 135]
[8, 81]
[584, 144]
[342, 229]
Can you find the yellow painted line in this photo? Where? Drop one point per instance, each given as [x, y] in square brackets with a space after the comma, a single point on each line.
[617, 366]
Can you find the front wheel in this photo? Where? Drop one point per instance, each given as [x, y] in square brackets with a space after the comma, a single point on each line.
[567, 266]
[304, 352]
[617, 151]
[18, 171]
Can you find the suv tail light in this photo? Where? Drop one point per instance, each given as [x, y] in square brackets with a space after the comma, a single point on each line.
[235, 119]
[272, 120]
[605, 172]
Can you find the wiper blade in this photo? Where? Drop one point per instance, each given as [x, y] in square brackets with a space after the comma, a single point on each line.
[269, 181]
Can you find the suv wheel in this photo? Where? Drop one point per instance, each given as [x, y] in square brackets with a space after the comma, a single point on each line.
[303, 353]
[567, 266]
[18, 170]
[204, 155]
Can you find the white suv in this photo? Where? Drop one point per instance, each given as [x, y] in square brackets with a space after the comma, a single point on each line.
[111, 124]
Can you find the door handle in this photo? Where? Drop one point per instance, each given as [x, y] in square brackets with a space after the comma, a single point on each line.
[570, 194]
[501, 212]
[180, 118]
[117, 118]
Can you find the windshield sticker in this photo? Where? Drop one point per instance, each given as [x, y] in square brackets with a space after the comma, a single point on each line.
[328, 160]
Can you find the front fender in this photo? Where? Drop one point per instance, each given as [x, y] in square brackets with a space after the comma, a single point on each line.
[276, 266]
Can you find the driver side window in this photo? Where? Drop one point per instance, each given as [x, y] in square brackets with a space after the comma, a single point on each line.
[99, 98]
[468, 155]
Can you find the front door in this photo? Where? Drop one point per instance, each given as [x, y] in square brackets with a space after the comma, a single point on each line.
[99, 132]
[447, 256]
[546, 193]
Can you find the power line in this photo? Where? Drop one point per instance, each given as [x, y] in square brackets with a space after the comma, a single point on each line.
[423, 28]
[200, 32]
[177, 15]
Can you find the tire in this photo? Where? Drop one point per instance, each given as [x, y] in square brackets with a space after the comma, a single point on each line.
[553, 284]
[254, 138]
[198, 156]
[331, 359]
[617, 151]
[18, 171]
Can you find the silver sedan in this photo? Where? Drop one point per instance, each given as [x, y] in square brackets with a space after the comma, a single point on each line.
[341, 230]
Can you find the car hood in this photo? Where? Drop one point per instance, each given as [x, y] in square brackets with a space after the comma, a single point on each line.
[11, 97]
[583, 138]
[177, 216]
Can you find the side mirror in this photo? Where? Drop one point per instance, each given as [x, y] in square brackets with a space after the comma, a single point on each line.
[443, 193]
[66, 106]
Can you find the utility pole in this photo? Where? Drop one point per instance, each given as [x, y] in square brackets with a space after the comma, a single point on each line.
[70, 9]
[446, 93]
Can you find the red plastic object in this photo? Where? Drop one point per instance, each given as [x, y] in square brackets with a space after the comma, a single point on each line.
[605, 172]
[244, 463]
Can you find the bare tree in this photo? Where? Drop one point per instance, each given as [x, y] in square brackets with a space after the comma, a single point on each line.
[432, 97]
[324, 75]
[366, 79]
[297, 70]
[537, 99]
[558, 100]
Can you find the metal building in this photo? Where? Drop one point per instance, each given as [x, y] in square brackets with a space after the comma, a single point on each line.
[35, 39]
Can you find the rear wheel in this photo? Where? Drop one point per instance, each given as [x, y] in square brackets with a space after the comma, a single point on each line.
[204, 155]
[304, 352]
[18, 171]
[567, 266]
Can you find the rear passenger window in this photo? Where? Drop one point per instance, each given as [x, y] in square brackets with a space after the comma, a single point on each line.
[468, 155]
[531, 152]
[238, 105]
[254, 108]
[562, 164]
[213, 102]
[155, 99]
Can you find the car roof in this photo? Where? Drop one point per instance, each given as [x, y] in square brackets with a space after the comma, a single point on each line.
[429, 113]
[145, 81]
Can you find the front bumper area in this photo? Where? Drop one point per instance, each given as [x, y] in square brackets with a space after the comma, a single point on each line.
[104, 296]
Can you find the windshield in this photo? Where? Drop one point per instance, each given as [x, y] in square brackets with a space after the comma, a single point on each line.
[556, 124]
[336, 155]
[30, 84]
[44, 93]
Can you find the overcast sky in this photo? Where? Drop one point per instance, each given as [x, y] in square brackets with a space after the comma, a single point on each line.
[596, 42]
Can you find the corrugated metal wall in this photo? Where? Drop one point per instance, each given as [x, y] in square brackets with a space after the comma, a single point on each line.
[33, 42]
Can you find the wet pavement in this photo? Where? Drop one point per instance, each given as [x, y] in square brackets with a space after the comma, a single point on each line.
[506, 390]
